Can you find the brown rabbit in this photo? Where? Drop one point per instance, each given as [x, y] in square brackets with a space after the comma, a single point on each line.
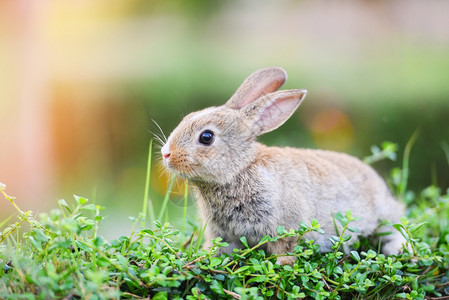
[244, 188]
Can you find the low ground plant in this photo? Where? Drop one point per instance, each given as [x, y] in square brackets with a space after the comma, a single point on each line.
[61, 255]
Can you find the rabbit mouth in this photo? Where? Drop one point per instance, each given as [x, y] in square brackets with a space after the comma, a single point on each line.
[190, 175]
[179, 167]
[189, 172]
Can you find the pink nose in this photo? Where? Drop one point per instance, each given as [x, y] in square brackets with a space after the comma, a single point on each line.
[166, 155]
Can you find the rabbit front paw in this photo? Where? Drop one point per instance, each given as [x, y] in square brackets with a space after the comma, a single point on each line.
[286, 260]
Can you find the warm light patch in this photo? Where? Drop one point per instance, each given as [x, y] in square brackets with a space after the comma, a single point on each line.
[332, 129]
[161, 181]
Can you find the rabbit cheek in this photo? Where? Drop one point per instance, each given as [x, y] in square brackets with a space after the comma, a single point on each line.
[205, 163]
[179, 162]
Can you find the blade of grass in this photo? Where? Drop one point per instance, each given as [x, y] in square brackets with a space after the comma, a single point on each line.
[97, 214]
[167, 196]
[335, 223]
[433, 174]
[9, 198]
[184, 217]
[199, 240]
[2, 223]
[146, 199]
[445, 147]
[405, 164]
[2, 187]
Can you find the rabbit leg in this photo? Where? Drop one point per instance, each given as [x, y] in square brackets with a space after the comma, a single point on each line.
[286, 260]
[393, 243]
[228, 250]
[207, 244]
[283, 246]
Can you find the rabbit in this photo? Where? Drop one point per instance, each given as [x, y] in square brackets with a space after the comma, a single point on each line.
[244, 188]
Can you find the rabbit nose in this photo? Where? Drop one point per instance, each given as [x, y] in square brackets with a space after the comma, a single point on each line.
[165, 151]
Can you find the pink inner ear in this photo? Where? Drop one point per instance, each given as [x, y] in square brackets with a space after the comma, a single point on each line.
[256, 85]
[257, 93]
[278, 112]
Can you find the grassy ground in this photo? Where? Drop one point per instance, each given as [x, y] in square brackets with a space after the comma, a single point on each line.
[60, 255]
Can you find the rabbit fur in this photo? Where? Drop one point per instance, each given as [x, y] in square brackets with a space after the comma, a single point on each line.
[244, 188]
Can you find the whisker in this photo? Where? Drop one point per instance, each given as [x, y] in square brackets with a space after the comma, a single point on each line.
[179, 181]
[160, 129]
[158, 147]
[163, 170]
[158, 139]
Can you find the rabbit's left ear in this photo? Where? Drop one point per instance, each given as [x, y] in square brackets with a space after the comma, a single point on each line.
[272, 110]
[259, 83]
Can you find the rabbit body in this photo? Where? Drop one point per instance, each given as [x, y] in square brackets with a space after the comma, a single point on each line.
[285, 186]
[244, 188]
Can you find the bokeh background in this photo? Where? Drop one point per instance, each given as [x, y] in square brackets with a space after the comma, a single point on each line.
[80, 82]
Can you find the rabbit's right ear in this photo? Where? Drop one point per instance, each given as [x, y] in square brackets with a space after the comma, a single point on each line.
[271, 111]
[256, 85]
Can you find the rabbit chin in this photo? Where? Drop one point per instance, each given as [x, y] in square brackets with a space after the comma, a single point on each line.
[193, 176]
[207, 179]
[202, 178]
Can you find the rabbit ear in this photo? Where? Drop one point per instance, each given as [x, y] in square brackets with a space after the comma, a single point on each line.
[271, 111]
[256, 85]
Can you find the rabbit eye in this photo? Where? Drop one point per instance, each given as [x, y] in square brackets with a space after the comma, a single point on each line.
[206, 137]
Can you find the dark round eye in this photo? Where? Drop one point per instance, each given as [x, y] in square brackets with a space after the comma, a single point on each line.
[206, 137]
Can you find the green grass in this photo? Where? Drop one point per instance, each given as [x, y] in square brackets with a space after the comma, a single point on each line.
[60, 255]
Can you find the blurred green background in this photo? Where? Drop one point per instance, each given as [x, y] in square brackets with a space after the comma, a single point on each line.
[80, 82]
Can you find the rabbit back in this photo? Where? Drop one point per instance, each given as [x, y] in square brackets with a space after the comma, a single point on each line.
[326, 182]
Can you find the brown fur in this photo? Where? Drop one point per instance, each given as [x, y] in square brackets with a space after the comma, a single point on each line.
[244, 188]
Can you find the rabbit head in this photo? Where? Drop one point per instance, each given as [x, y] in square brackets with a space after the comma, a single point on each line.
[215, 144]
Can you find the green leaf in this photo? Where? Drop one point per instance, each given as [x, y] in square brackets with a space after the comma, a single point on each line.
[80, 200]
[40, 235]
[64, 204]
[99, 241]
[404, 221]
[220, 277]
[83, 246]
[346, 237]
[36, 245]
[415, 227]
[353, 229]
[259, 278]
[61, 243]
[264, 239]
[281, 230]
[304, 225]
[215, 261]
[90, 207]
[296, 289]
[244, 242]
[217, 287]
[103, 262]
[339, 216]
[242, 269]
[304, 278]
[355, 255]
[163, 295]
